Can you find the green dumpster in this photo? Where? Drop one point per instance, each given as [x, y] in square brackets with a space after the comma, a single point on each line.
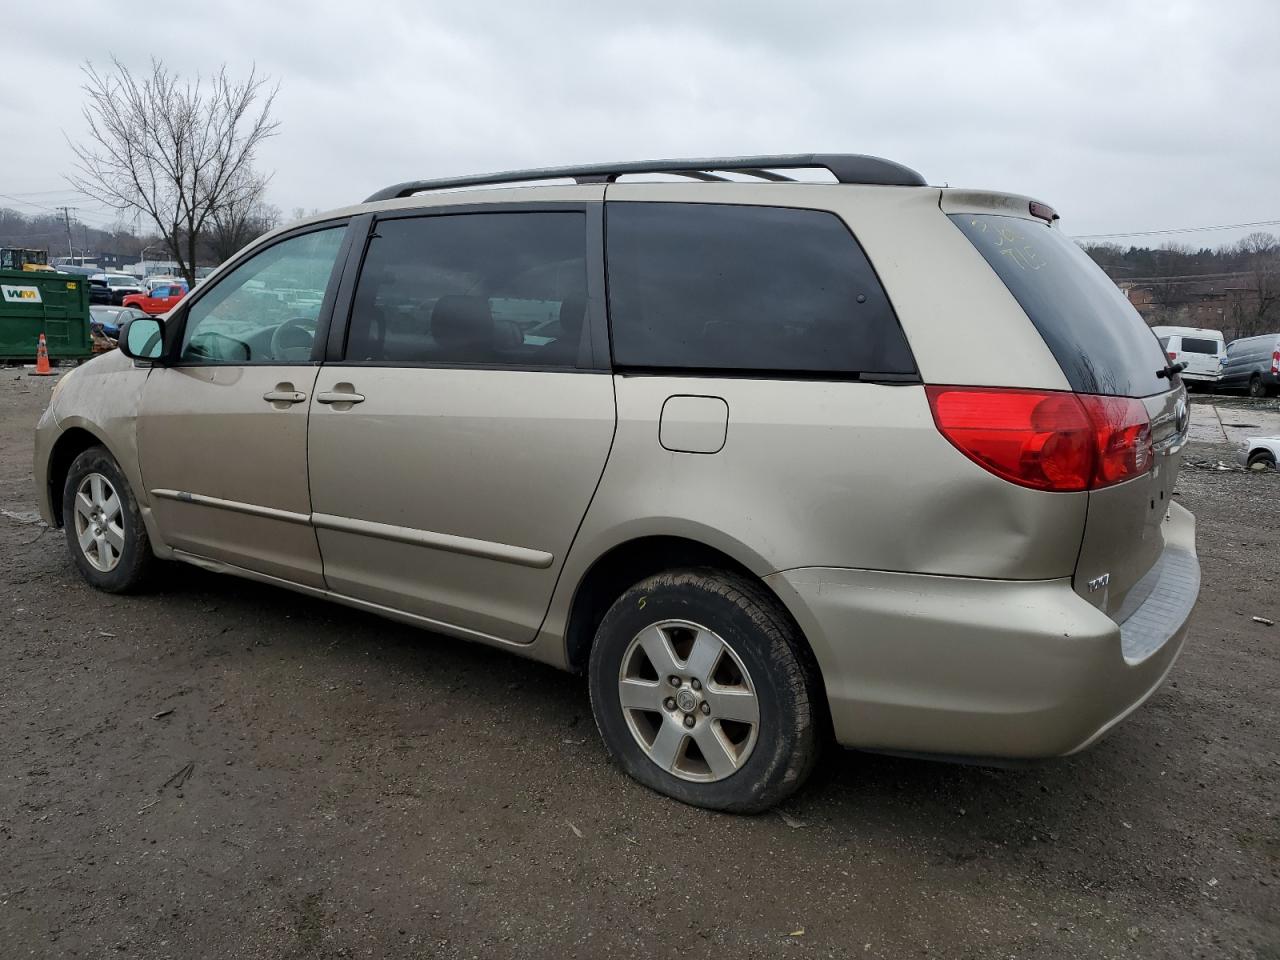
[36, 302]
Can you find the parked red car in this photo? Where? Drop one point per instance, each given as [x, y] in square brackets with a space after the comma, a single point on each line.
[160, 300]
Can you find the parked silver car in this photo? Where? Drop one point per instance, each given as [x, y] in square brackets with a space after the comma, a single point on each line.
[768, 460]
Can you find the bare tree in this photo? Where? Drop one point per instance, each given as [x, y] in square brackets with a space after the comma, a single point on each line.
[234, 224]
[1166, 292]
[1259, 303]
[179, 152]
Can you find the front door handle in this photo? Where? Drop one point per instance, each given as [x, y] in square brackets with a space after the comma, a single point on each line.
[284, 396]
[342, 396]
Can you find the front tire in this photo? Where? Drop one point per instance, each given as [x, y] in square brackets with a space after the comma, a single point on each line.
[105, 533]
[704, 690]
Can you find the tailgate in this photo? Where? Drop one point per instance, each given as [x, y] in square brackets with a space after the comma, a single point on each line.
[1104, 349]
[1124, 535]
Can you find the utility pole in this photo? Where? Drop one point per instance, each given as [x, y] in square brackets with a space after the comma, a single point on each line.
[66, 218]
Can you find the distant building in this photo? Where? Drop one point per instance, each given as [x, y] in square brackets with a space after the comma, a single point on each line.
[1208, 303]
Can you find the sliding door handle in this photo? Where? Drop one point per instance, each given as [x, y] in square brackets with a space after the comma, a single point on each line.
[339, 397]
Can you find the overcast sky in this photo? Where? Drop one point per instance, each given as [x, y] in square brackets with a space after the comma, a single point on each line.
[1126, 116]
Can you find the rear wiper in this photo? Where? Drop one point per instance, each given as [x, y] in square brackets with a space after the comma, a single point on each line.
[1171, 369]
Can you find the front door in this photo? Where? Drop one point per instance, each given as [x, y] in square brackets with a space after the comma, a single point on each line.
[222, 430]
[455, 449]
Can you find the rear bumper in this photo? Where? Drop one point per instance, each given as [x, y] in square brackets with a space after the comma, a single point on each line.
[1201, 377]
[989, 668]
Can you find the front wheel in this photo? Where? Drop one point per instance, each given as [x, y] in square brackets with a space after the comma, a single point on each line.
[105, 533]
[703, 690]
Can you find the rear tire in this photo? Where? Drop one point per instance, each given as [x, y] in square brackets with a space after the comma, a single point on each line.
[105, 533]
[1263, 457]
[740, 731]
[1256, 388]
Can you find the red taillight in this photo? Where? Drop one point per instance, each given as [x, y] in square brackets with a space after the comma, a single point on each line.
[1046, 440]
[1172, 356]
[1275, 362]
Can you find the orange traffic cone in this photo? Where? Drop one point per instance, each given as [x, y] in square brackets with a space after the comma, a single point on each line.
[42, 359]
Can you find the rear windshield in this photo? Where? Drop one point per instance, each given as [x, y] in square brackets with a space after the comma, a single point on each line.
[1195, 345]
[1095, 334]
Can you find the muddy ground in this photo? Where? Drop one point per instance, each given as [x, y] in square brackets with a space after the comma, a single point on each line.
[220, 769]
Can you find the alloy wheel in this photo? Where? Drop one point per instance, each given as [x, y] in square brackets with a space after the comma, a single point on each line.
[688, 701]
[99, 522]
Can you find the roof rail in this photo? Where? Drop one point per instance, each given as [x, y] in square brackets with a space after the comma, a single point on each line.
[845, 167]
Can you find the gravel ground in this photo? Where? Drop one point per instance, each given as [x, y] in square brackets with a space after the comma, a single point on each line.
[221, 769]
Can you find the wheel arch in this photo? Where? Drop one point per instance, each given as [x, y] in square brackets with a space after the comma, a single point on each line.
[70, 444]
[630, 561]
[1261, 455]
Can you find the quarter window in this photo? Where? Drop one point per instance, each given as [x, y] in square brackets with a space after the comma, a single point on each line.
[505, 289]
[740, 288]
[266, 309]
[1198, 345]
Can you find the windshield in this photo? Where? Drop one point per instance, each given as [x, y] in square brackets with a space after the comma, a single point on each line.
[1095, 334]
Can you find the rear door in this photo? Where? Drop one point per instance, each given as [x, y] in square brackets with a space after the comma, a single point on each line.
[1235, 370]
[457, 441]
[1104, 348]
[1200, 354]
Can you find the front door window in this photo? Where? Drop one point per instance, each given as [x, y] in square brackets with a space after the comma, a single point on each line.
[266, 309]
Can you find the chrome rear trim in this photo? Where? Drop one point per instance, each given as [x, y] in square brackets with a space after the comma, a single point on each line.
[1159, 604]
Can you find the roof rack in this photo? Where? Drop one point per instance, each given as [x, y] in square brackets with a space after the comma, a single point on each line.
[845, 167]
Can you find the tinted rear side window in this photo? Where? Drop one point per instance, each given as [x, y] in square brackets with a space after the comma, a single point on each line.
[738, 288]
[504, 289]
[1095, 334]
[1196, 345]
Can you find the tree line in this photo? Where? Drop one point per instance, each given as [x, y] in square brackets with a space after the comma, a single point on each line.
[1244, 276]
[48, 231]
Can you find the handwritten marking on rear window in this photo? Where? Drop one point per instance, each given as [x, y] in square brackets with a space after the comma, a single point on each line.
[1014, 246]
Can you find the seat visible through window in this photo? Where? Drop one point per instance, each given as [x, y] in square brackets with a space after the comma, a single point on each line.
[505, 289]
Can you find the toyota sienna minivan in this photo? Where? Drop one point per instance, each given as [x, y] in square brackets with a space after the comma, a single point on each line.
[771, 461]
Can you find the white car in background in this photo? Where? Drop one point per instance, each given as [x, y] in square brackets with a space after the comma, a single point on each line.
[1203, 351]
[1263, 450]
[160, 280]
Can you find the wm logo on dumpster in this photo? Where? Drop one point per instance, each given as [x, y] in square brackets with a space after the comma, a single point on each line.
[21, 294]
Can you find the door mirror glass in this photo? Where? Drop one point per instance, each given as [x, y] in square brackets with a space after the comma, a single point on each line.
[142, 338]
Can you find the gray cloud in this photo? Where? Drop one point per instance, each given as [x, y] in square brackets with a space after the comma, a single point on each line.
[1125, 115]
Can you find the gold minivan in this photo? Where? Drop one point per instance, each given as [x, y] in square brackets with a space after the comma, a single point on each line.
[771, 460]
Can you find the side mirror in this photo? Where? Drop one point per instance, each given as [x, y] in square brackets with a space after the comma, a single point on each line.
[142, 338]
